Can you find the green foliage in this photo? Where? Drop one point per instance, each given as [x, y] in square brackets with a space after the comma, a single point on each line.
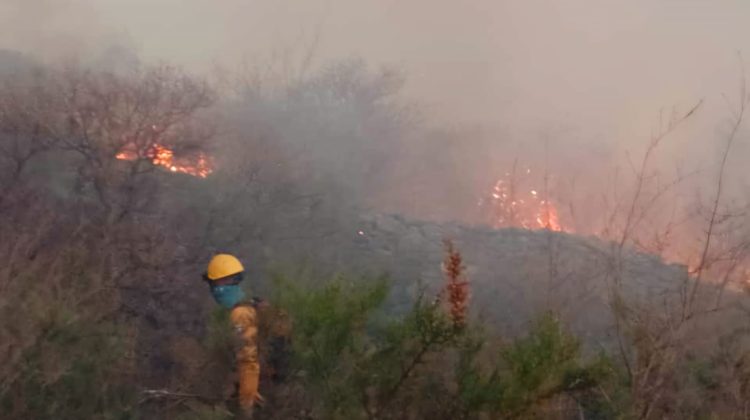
[403, 344]
[330, 338]
[479, 386]
[545, 364]
[540, 364]
[353, 362]
[529, 373]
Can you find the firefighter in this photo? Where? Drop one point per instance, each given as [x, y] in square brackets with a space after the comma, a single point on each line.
[224, 274]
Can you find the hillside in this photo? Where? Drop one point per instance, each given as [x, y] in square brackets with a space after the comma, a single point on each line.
[515, 273]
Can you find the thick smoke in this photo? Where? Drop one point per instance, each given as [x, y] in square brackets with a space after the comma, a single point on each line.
[572, 89]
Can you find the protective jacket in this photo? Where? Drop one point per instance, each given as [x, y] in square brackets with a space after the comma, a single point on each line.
[262, 334]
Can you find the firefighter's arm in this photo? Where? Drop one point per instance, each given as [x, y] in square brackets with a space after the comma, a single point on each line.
[244, 320]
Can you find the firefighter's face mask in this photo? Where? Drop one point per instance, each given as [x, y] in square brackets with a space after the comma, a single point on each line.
[227, 295]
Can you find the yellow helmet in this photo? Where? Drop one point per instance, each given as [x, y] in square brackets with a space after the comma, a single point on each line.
[223, 265]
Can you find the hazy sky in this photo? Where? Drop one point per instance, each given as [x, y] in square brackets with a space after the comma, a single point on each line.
[601, 67]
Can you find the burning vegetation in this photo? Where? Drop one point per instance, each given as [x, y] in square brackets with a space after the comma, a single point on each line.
[512, 203]
[198, 165]
[129, 230]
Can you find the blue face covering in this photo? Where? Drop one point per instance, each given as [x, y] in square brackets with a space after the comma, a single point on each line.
[228, 295]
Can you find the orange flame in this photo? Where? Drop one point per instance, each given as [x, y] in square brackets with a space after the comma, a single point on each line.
[162, 156]
[511, 206]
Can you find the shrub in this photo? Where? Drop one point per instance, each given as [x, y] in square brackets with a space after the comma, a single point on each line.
[67, 357]
[353, 361]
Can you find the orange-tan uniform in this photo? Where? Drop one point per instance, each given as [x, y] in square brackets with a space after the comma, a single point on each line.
[245, 323]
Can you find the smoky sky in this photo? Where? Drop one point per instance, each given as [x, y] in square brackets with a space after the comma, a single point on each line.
[586, 71]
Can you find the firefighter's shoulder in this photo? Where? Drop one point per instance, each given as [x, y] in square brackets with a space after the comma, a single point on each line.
[243, 314]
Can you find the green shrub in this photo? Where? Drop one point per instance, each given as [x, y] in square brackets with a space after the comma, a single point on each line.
[543, 365]
[352, 361]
